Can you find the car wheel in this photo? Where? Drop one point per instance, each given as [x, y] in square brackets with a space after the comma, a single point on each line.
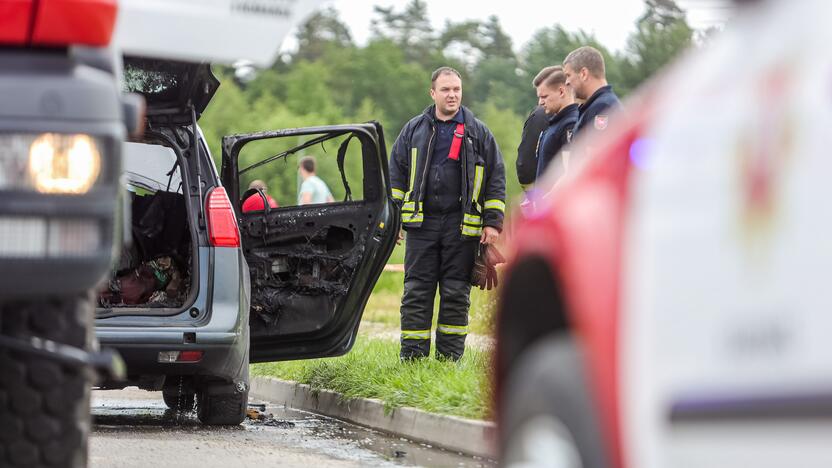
[221, 403]
[45, 405]
[548, 417]
[178, 397]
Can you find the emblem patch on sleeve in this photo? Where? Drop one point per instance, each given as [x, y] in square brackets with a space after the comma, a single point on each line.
[601, 122]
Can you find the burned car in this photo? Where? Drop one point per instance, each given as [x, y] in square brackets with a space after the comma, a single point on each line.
[205, 288]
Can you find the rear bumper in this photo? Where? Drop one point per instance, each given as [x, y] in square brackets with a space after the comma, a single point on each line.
[223, 334]
[223, 361]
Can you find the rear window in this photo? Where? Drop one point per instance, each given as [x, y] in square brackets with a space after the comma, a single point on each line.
[156, 80]
[150, 168]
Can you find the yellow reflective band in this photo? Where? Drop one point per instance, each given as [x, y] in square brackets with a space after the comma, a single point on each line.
[470, 231]
[495, 205]
[452, 329]
[412, 180]
[398, 194]
[415, 334]
[472, 219]
[415, 218]
[409, 206]
[477, 183]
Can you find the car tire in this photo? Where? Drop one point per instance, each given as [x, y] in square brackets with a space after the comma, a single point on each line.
[548, 417]
[223, 403]
[178, 398]
[45, 405]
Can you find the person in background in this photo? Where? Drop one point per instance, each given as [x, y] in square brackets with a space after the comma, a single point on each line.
[536, 122]
[312, 189]
[255, 201]
[558, 101]
[586, 75]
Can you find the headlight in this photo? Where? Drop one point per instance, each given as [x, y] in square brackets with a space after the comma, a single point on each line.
[64, 163]
[50, 163]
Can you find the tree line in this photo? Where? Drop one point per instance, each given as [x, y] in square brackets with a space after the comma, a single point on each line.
[330, 79]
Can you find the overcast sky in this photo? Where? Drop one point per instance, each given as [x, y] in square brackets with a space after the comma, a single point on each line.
[610, 20]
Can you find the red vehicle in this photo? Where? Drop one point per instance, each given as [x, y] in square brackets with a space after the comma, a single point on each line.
[666, 303]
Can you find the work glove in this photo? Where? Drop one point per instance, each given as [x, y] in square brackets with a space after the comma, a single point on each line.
[484, 274]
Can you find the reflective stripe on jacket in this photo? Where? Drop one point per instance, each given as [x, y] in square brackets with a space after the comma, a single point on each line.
[483, 184]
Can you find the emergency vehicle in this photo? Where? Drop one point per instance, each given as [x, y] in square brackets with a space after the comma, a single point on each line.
[667, 301]
[64, 213]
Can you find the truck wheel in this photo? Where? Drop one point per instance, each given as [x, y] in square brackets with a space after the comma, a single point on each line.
[45, 405]
[548, 417]
[222, 405]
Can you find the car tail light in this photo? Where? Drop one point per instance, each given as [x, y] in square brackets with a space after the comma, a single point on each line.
[222, 223]
[57, 22]
[180, 356]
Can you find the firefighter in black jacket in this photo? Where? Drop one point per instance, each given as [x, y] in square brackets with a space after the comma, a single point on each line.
[586, 75]
[448, 174]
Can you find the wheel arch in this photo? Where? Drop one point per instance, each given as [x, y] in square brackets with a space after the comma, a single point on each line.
[531, 307]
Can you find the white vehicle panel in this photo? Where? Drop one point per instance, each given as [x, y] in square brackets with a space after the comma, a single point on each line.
[217, 31]
[726, 291]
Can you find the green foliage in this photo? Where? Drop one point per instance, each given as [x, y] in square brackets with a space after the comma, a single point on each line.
[330, 80]
[550, 46]
[661, 35]
[373, 370]
[321, 33]
[506, 126]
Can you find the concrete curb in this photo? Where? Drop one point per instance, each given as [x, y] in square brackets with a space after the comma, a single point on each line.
[458, 434]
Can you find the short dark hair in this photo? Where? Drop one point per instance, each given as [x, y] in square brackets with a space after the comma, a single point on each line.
[589, 58]
[442, 71]
[556, 78]
[308, 164]
[543, 74]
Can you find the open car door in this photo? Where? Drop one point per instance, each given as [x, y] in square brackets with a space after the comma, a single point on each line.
[312, 266]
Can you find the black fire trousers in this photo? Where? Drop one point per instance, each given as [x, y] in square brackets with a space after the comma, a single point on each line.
[436, 254]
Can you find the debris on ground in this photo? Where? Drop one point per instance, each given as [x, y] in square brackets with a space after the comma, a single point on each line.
[267, 419]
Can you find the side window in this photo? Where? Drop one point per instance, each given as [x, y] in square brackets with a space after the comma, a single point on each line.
[151, 168]
[300, 170]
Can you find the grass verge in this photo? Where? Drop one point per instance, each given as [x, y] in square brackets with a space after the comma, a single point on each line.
[373, 370]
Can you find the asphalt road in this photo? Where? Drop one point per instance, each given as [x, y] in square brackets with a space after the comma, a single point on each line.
[133, 428]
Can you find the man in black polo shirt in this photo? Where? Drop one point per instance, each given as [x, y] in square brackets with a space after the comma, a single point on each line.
[586, 75]
[558, 102]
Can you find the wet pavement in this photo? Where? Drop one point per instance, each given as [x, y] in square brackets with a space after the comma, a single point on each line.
[134, 428]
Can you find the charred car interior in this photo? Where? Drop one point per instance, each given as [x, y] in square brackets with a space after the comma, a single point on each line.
[155, 269]
[304, 259]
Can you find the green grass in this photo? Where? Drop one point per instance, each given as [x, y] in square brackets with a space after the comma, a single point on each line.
[373, 370]
[397, 257]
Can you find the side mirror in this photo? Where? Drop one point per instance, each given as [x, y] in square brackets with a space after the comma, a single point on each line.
[133, 112]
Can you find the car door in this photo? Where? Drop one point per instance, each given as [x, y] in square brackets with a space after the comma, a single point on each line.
[312, 266]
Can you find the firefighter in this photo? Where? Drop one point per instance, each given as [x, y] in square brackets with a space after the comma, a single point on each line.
[447, 172]
[558, 101]
[586, 75]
